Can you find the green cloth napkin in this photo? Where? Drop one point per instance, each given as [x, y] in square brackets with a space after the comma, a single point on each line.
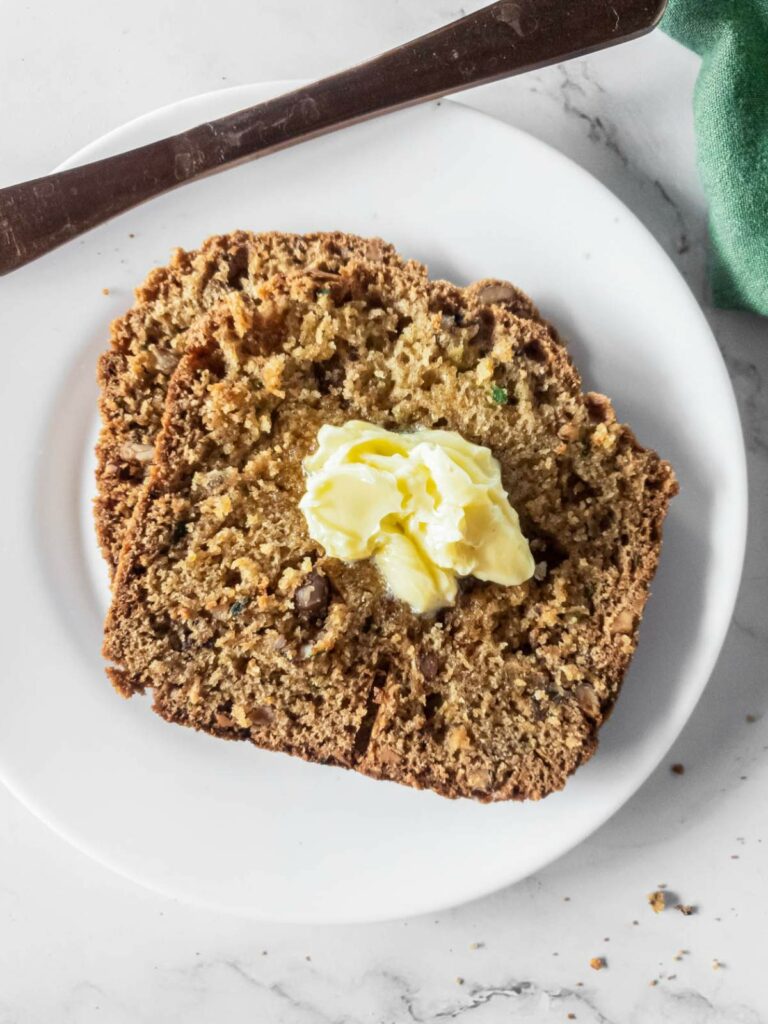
[731, 117]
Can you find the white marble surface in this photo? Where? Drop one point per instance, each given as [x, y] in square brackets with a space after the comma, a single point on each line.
[78, 944]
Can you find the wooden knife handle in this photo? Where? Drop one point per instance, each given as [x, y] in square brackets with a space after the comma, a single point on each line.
[505, 38]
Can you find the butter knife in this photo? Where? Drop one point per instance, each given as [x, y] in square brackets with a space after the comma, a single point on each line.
[502, 39]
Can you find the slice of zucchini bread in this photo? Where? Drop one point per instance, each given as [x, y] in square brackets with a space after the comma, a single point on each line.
[147, 342]
[243, 627]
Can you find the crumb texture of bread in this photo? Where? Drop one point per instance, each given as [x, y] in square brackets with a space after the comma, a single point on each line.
[147, 342]
[243, 627]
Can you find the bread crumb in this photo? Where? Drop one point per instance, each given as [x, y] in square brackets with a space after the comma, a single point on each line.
[752, 718]
[459, 981]
[597, 963]
[485, 370]
[272, 374]
[458, 739]
[476, 945]
[685, 908]
[240, 715]
[571, 1016]
[105, 291]
[717, 965]
[678, 769]
[657, 901]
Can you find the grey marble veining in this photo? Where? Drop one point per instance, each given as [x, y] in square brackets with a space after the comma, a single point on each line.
[78, 944]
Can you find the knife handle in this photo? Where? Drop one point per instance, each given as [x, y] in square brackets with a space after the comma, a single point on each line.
[502, 39]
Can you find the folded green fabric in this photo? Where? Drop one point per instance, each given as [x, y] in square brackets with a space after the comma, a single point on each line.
[731, 117]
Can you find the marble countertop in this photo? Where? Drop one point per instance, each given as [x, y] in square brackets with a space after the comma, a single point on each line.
[78, 944]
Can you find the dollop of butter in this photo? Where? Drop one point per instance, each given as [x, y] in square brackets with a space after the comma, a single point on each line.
[427, 506]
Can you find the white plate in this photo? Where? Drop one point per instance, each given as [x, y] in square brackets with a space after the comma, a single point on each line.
[223, 824]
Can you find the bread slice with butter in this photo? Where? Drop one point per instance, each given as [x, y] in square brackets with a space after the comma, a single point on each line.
[147, 342]
[244, 626]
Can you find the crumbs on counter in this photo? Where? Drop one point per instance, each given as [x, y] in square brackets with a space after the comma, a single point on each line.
[571, 1016]
[477, 945]
[678, 769]
[685, 908]
[717, 965]
[657, 901]
[105, 291]
[752, 718]
[597, 963]
[459, 981]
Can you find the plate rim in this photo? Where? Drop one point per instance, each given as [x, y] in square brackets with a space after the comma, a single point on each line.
[730, 589]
